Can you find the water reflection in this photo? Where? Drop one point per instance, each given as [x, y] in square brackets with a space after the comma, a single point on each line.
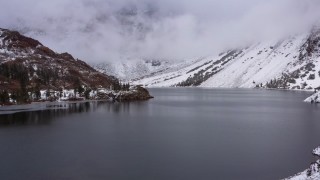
[117, 107]
[181, 134]
[45, 117]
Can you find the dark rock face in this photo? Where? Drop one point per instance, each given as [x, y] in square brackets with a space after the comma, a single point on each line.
[136, 94]
[15, 40]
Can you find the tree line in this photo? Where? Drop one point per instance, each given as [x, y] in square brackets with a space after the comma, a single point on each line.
[45, 78]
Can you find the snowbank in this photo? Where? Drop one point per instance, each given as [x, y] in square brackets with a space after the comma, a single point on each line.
[317, 151]
[315, 98]
[313, 173]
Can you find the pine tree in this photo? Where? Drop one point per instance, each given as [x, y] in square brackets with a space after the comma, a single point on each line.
[80, 89]
[4, 97]
[47, 93]
[37, 94]
[87, 93]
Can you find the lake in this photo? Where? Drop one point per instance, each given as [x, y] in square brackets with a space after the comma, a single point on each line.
[184, 133]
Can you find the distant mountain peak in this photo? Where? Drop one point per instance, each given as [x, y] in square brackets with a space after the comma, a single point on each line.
[14, 39]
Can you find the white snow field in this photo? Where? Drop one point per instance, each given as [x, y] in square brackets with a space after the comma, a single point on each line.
[253, 66]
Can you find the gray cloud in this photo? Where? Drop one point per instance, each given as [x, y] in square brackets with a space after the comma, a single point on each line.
[108, 30]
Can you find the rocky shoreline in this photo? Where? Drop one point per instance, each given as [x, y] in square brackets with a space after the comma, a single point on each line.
[312, 173]
[134, 93]
[315, 98]
[31, 72]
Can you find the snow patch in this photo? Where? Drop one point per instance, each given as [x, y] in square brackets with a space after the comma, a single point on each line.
[317, 151]
[315, 98]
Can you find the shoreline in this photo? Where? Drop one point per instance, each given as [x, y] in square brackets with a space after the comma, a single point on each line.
[135, 93]
[115, 95]
[45, 105]
[196, 87]
[312, 173]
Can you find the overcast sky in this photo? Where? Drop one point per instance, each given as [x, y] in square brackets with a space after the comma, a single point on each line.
[110, 30]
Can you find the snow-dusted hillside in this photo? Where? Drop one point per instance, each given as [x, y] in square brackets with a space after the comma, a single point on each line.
[132, 68]
[291, 63]
[30, 71]
[259, 63]
[38, 65]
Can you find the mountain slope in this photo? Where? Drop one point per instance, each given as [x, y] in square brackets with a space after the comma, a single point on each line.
[27, 67]
[43, 66]
[132, 68]
[292, 63]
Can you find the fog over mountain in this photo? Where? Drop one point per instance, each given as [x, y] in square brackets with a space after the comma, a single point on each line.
[108, 30]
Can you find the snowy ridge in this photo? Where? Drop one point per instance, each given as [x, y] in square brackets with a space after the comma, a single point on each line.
[259, 64]
[291, 63]
[181, 72]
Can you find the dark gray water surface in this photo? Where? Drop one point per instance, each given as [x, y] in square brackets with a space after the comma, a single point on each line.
[182, 134]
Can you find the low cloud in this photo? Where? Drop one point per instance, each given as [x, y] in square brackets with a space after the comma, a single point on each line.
[108, 30]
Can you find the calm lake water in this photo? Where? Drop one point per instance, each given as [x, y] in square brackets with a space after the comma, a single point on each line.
[182, 134]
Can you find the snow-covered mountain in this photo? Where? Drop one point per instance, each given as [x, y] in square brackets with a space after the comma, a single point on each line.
[291, 63]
